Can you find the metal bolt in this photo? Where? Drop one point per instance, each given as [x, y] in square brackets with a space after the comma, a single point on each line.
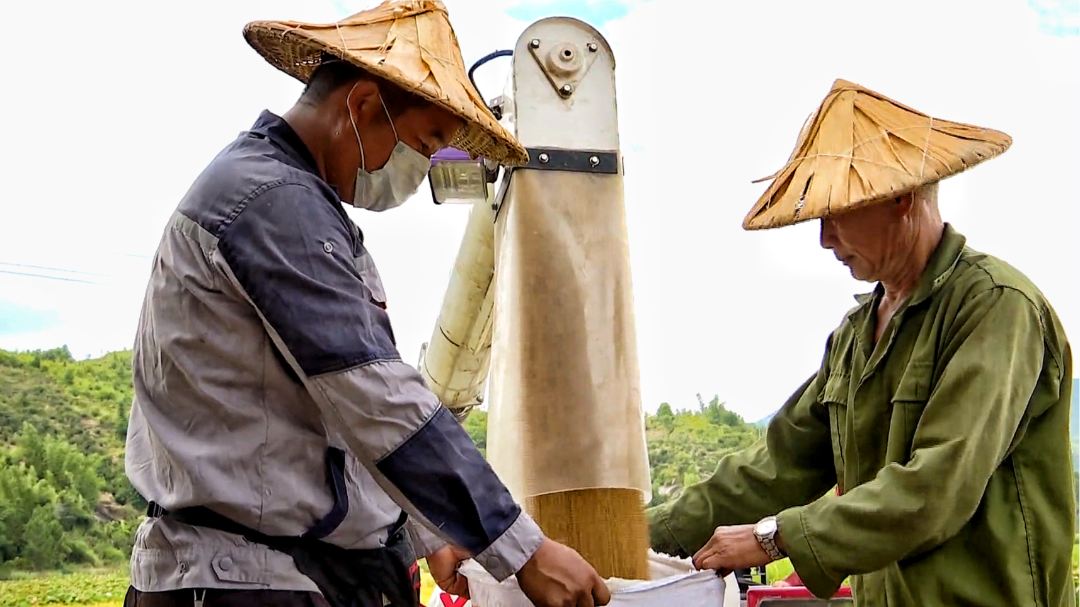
[567, 89]
[543, 158]
[535, 43]
[594, 161]
[592, 47]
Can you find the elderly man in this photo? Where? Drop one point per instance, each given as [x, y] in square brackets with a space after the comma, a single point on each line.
[288, 454]
[929, 456]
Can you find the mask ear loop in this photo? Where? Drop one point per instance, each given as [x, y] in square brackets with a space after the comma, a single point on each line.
[348, 105]
[359, 142]
[392, 127]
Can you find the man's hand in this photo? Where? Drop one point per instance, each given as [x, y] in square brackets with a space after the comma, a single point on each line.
[730, 548]
[557, 576]
[443, 565]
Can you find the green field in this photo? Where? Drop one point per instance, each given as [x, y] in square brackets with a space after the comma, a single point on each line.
[91, 587]
[96, 588]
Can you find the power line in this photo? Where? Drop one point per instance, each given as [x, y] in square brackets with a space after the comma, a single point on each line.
[89, 282]
[23, 265]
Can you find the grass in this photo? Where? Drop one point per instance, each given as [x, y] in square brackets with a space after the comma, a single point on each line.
[1076, 562]
[99, 588]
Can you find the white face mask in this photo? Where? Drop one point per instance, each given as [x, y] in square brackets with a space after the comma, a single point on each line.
[392, 185]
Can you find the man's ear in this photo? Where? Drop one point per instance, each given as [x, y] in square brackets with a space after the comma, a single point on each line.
[905, 203]
[364, 103]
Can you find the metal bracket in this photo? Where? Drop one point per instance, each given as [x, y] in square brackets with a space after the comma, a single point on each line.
[564, 63]
[555, 159]
[582, 161]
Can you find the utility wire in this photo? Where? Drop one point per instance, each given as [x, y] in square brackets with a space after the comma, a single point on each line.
[89, 282]
[23, 265]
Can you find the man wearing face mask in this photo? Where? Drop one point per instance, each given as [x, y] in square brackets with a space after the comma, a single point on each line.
[288, 455]
[928, 457]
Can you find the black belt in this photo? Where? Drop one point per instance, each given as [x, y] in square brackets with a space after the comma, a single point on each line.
[346, 578]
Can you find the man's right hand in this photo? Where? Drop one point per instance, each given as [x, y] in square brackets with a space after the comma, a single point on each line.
[557, 576]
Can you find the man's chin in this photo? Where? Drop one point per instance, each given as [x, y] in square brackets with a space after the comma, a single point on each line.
[858, 275]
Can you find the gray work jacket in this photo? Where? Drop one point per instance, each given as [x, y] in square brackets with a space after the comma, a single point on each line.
[264, 345]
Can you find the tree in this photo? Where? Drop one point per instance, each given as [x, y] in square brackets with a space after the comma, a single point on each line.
[476, 425]
[665, 416]
[44, 539]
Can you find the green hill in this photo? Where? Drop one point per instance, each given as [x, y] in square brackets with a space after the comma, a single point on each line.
[64, 498]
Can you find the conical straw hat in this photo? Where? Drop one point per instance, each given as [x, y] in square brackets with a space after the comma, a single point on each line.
[409, 43]
[860, 147]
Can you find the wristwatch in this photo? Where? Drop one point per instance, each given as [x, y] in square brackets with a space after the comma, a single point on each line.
[765, 532]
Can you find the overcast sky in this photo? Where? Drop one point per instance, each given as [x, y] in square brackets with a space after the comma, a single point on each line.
[112, 108]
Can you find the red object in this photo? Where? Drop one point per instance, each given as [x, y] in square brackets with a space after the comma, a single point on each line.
[766, 595]
[414, 572]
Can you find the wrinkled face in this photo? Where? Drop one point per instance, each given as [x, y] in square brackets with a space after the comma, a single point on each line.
[868, 240]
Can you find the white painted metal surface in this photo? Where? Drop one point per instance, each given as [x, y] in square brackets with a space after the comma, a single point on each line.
[537, 113]
[565, 410]
[455, 362]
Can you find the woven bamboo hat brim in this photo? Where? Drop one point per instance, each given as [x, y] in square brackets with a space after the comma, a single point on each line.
[860, 147]
[409, 43]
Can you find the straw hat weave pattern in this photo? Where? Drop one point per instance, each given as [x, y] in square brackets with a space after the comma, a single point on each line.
[409, 43]
[860, 147]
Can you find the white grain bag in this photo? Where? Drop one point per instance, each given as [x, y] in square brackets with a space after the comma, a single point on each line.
[675, 582]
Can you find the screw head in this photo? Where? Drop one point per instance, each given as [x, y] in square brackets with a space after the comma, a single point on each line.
[535, 43]
[544, 158]
[592, 47]
[594, 161]
[567, 89]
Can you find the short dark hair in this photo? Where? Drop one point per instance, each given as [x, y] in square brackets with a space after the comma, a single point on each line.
[334, 73]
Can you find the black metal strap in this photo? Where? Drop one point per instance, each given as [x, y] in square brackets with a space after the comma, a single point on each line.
[582, 161]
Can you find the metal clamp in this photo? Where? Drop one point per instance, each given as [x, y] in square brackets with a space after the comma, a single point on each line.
[582, 161]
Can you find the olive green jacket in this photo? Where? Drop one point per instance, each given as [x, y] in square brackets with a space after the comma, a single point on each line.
[948, 442]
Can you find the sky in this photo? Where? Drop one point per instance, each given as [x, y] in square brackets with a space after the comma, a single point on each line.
[113, 108]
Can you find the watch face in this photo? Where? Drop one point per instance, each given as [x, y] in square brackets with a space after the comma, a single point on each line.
[766, 527]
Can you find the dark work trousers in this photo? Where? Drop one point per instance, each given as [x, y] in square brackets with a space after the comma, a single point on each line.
[223, 598]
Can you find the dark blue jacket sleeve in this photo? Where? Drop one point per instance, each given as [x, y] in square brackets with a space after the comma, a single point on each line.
[292, 252]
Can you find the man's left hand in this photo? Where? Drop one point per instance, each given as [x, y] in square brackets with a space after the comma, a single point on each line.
[443, 565]
[729, 548]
